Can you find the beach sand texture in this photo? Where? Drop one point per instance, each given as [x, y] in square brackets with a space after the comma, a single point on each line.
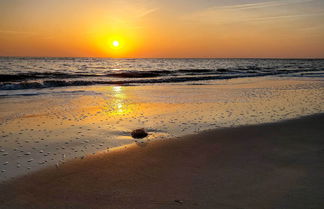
[57, 125]
[276, 165]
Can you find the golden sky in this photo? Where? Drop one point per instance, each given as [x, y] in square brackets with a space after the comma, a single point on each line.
[168, 28]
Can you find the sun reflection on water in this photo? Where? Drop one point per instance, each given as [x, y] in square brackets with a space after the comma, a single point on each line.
[118, 104]
[117, 89]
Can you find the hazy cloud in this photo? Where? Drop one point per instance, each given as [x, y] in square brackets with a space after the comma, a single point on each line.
[147, 12]
[259, 5]
[260, 11]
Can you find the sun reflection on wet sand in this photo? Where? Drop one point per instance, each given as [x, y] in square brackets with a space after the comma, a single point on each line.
[117, 89]
[118, 104]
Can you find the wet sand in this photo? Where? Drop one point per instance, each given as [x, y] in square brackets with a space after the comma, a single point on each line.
[57, 125]
[277, 165]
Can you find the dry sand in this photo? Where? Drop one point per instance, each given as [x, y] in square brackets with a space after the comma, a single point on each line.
[278, 165]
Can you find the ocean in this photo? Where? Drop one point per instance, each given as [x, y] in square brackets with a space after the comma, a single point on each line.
[36, 73]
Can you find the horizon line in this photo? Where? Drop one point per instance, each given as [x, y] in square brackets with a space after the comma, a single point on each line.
[9, 56]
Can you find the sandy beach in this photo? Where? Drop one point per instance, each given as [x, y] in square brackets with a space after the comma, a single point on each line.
[276, 165]
[52, 126]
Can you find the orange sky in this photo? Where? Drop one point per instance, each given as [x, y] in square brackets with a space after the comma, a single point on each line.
[156, 28]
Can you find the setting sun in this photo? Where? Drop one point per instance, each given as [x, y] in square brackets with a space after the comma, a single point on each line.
[115, 43]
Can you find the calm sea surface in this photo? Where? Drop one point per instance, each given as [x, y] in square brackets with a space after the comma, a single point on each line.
[36, 73]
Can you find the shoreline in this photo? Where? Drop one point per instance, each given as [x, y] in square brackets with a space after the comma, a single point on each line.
[44, 130]
[272, 165]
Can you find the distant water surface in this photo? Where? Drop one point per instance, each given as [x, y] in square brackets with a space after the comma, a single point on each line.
[32, 73]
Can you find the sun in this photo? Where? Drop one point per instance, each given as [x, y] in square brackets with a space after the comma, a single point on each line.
[115, 43]
[115, 46]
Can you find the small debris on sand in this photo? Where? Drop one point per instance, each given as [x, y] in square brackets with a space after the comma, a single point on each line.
[139, 133]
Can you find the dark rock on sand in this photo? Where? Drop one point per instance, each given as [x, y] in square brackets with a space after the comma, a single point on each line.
[139, 133]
